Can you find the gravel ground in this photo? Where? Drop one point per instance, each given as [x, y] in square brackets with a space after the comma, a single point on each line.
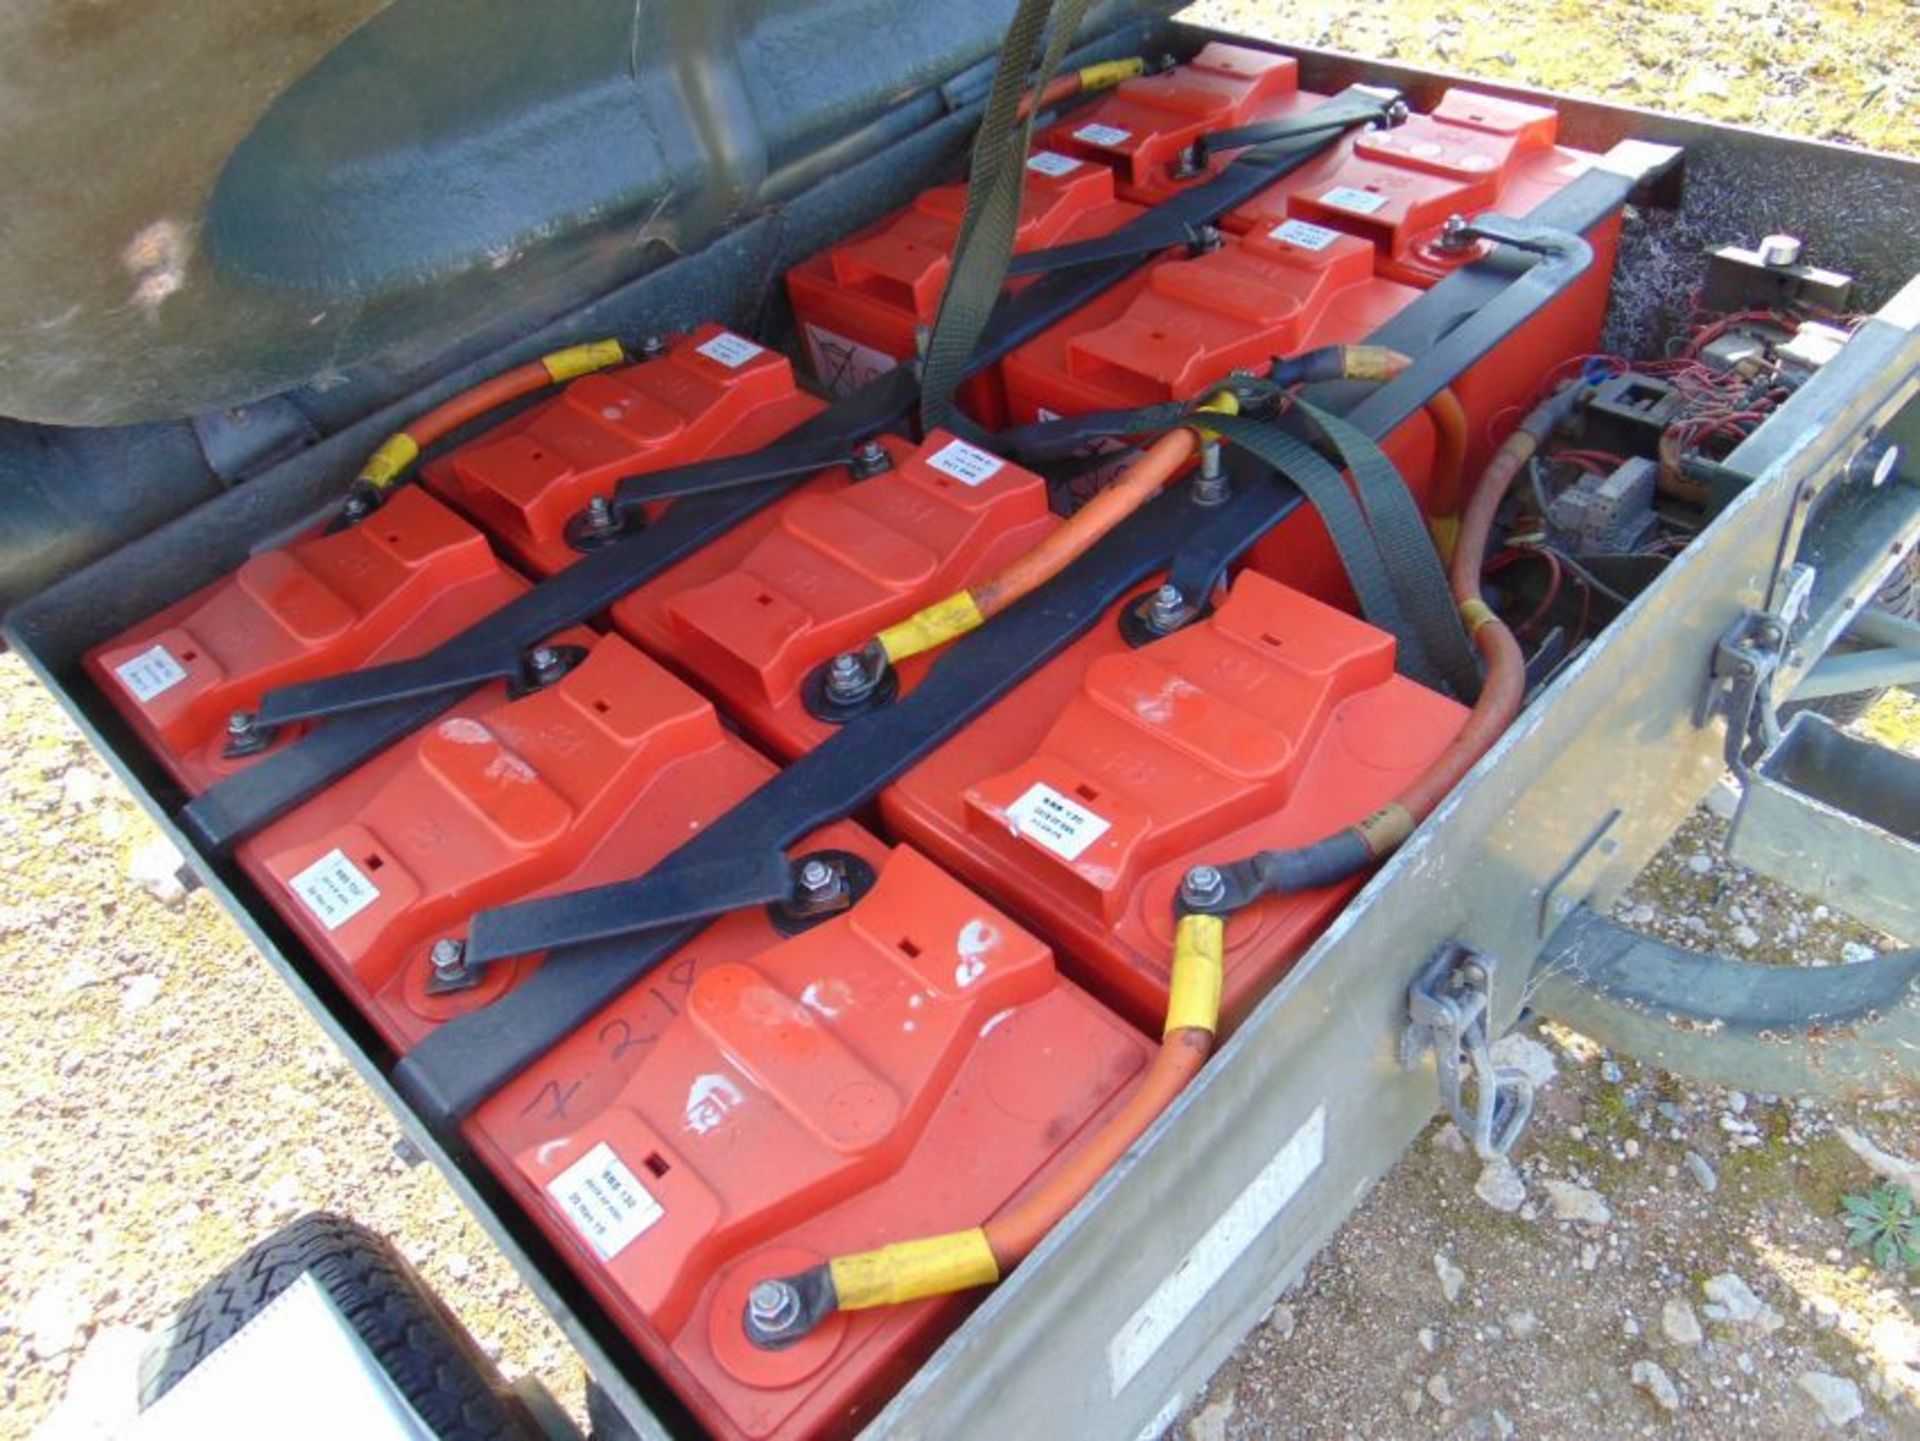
[1675, 1267]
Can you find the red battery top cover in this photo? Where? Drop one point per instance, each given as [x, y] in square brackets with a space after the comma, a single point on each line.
[861, 303]
[1185, 323]
[1396, 188]
[752, 614]
[1084, 796]
[1145, 124]
[906, 1068]
[589, 780]
[713, 394]
[393, 586]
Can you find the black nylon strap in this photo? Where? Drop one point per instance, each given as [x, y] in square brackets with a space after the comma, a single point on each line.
[1407, 555]
[998, 179]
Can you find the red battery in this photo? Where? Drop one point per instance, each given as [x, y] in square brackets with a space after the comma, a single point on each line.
[395, 585]
[911, 1066]
[1083, 797]
[752, 615]
[862, 304]
[590, 779]
[1184, 323]
[913, 1062]
[712, 394]
[1145, 125]
[1397, 188]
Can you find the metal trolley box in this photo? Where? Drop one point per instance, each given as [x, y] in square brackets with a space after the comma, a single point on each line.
[1495, 905]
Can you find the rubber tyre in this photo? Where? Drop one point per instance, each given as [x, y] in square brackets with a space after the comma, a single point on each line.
[429, 1355]
[1899, 596]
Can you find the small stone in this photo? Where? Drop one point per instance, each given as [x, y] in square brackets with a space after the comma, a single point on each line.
[138, 993]
[1281, 1321]
[1576, 1203]
[457, 1267]
[1438, 1388]
[1700, 863]
[1502, 1425]
[1611, 1073]
[1426, 1339]
[1411, 1399]
[1731, 1300]
[1649, 1377]
[1678, 1322]
[1211, 1423]
[1448, 1138]
[1526, 1055]
[76, 977]
[1737, 1102]
[1745, 937]
[1745, 1362]
[1838, 1398]
[155, 868]
[1523, 1325]
[1630, 1328]
[1452, 1278]
[80, 788]
[1853, 953]
[1698, 1168]
[1589, 1256]
[54, 1319]
[1500, 1186]
[1632, 1148]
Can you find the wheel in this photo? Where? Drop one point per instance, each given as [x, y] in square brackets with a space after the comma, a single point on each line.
[1900, 596]
[413, 1336]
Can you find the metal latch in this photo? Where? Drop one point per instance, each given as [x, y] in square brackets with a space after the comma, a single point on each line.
[1447, 1007]
[1740, 678]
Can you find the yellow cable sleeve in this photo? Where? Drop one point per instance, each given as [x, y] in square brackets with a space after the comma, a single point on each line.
[1221, 402]
[909, 1270]
[1445, 530]
[939, 623]
[1386, 828]
[1371, 362]
[564, 365]
[1199, 972]
[391, 457]
[1110, 73]
[1476, 613]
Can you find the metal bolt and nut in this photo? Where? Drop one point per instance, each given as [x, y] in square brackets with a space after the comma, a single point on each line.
[1210, 486]
[817, 878]
[600, 514]
[847, 678]
[544, 660]
[359, 505]
[1780, 250]
[773, 1306]
[1453, 235]
[870, 458]
[653, 347]
[1190, 163]
[1167, 608]
[240, 725]
[1203, 886]
[449, 958]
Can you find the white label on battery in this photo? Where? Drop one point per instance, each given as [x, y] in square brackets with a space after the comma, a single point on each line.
[1062, 825]
[1307, 237]
[605, 1201]
[968, 464]
[1052, 162]
[152, 671]
[843, 366]
[1360, 202]
[729, 349]
[1243, 1222]
[1107, 135]
[334, 889]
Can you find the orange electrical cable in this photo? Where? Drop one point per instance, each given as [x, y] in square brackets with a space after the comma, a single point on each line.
[1138, 484]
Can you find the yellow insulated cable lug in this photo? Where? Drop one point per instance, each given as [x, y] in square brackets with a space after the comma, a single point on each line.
[1199, 974]
[389, 460]
[939, 623]
[575, 360]
[910, 1270]
[1109, 73]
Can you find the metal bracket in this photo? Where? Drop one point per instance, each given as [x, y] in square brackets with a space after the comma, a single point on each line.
[1447, 1008]
[1745, 658]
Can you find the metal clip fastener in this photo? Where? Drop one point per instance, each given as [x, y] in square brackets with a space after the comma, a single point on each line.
[1447, 1015]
